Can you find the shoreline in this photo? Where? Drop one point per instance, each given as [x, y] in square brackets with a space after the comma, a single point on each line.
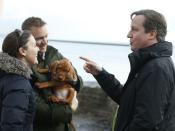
[91, 84]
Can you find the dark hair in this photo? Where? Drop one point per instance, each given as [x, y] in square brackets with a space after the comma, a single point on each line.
[14, 40]
[154, 21]
[32, 21]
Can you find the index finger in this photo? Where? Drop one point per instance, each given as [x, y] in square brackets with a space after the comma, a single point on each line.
[84, 58]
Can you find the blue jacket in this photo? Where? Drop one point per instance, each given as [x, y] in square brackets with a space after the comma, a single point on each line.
[17, 102]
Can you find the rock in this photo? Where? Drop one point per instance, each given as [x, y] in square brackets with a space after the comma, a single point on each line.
[95, 111]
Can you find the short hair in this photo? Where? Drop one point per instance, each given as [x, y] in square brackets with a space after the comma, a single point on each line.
[154, 21]
[32, 21]
[14, 40]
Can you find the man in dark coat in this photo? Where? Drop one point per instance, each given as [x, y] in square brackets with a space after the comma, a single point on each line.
[49, 116]
[147, 99]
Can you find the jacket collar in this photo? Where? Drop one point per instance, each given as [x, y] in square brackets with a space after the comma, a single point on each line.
[142, 56]
[13, 65]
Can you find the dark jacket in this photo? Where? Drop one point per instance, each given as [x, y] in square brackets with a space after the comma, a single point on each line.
[147, 100]
[51, 116]
[16, 95]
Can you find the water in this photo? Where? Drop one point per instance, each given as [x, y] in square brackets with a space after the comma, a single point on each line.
[113, 58]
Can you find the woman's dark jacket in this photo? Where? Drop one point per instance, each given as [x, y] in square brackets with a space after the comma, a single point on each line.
[16, 95]
[51, 116]
[147, 100]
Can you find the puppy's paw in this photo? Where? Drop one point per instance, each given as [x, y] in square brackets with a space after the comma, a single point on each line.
[53, 99]
[38, 85]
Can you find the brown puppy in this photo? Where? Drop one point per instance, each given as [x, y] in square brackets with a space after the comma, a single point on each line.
[62, 77]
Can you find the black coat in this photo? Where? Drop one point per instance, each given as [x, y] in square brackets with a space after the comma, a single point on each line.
[16, 95]
[147, 100]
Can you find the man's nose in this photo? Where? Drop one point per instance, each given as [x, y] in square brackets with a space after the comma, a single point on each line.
[129, 34]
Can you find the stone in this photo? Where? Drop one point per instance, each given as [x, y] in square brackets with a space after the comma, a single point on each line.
[95, 110]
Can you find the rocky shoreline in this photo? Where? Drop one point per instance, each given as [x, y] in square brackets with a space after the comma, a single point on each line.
[91, 84]
[96, 110]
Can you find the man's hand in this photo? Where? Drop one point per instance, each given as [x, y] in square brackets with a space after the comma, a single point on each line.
[91, 67]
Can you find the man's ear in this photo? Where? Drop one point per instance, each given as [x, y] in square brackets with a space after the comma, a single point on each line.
[22, 51]
[153, 34]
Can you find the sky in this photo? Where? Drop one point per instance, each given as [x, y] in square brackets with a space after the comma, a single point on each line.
[84, 20]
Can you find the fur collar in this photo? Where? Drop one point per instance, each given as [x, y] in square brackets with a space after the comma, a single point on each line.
[13, 65]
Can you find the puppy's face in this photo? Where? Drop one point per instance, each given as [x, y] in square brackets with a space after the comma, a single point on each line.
[62, 70]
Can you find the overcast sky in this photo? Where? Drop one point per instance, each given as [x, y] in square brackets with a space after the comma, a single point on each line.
[88, 20]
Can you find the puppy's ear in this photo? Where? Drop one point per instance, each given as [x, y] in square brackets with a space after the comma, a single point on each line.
[72, 73]
[53, 66]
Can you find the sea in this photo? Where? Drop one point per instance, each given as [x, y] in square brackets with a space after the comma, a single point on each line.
[112, 57]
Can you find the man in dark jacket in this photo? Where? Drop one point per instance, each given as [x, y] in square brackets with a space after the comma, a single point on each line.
[49, 116]
[147, 99]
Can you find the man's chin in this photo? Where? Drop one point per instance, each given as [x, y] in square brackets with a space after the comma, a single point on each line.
[42, 50]
[133, 49]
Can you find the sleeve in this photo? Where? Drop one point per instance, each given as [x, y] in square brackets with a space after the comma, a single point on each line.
[51, 113]
[110, 85]
[151, 100]
[60, 56]
[14, 108]
[61, 113]
[78, 84]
